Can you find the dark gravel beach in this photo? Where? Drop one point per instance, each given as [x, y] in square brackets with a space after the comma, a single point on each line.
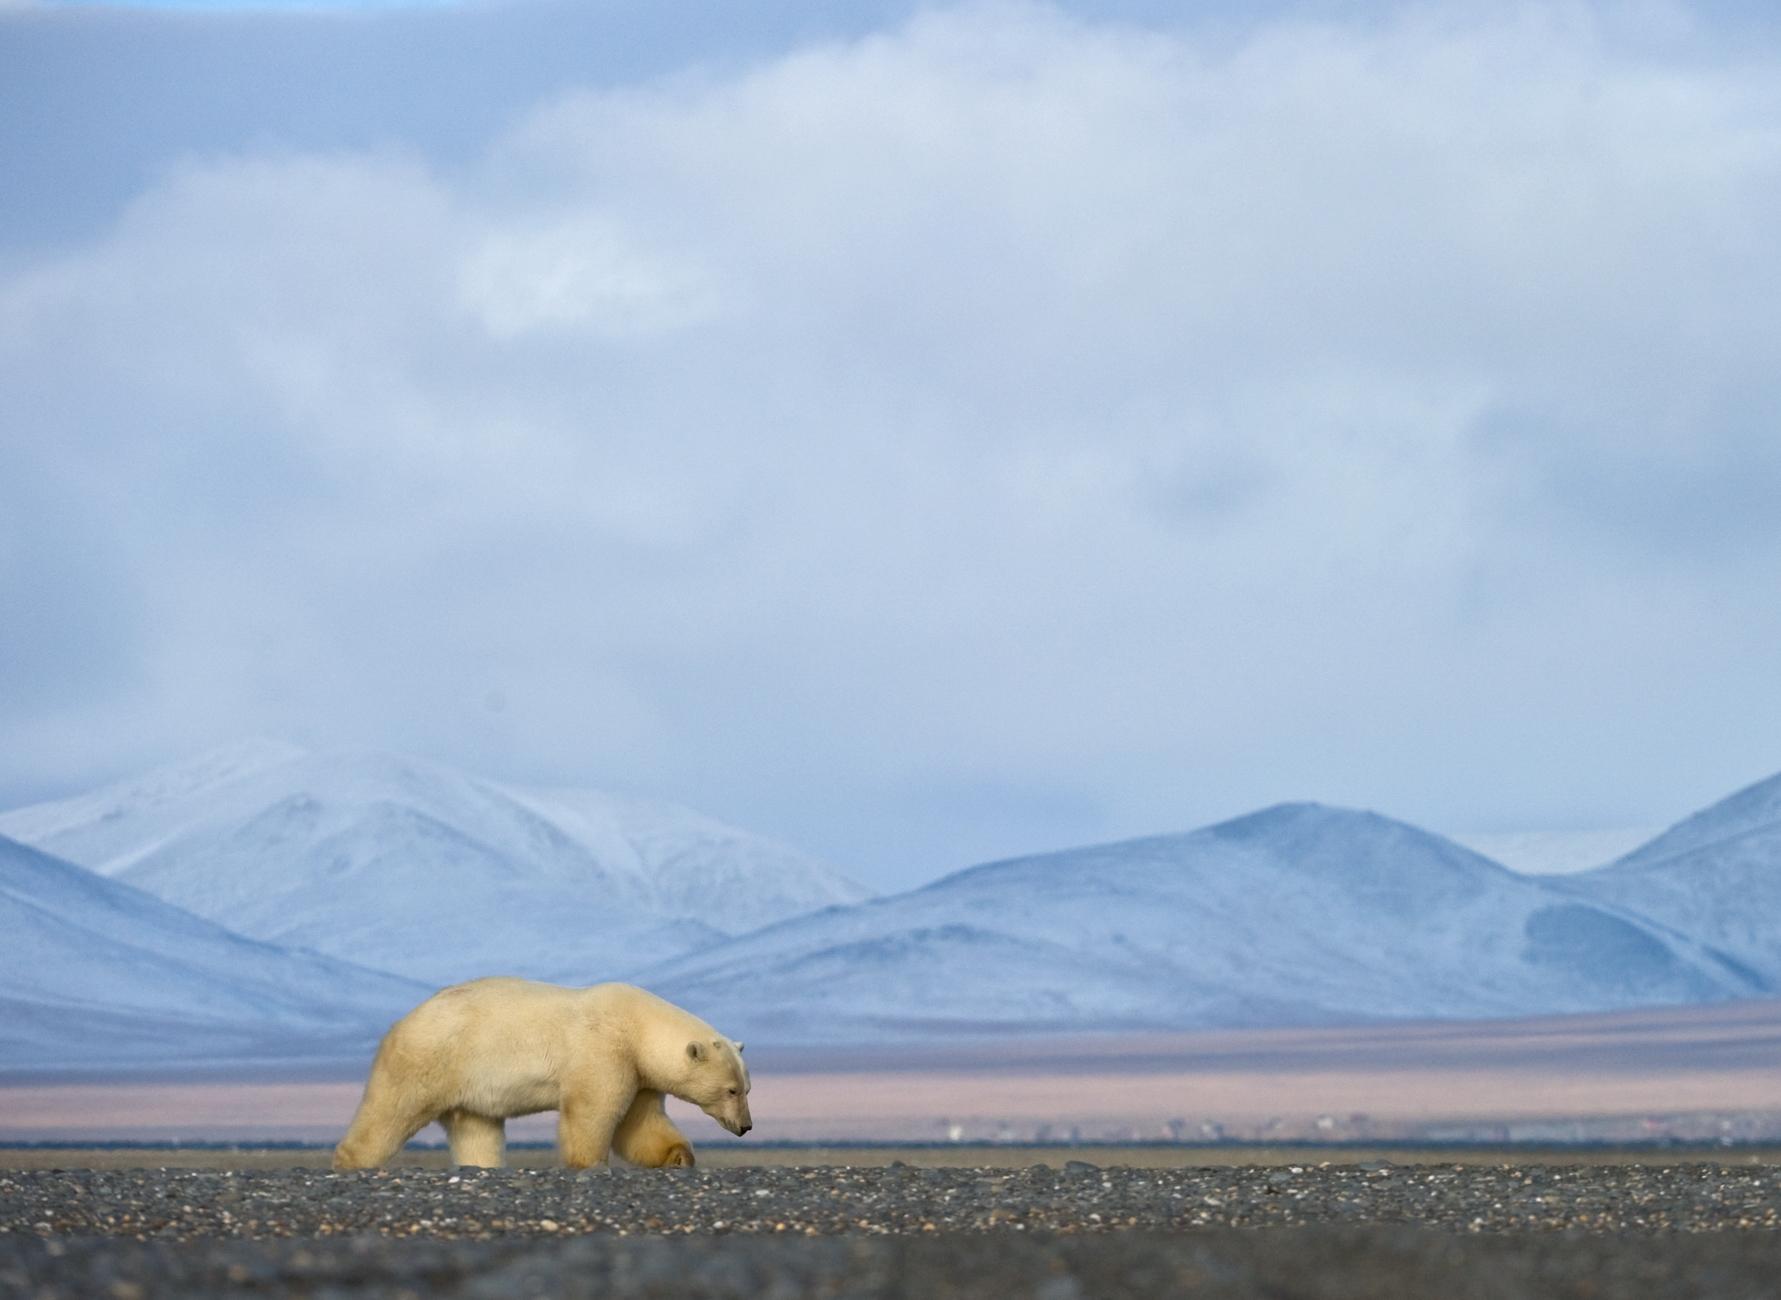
[1074, 1230]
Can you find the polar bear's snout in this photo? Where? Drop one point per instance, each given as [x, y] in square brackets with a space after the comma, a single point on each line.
[732, 1112]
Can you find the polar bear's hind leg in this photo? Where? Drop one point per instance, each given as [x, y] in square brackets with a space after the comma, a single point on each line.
[475, 1139]
[648, 1138]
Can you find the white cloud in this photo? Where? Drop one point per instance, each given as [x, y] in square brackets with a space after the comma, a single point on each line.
[1002, 402]
[580, 273]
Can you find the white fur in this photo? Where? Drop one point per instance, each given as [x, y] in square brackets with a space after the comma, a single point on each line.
[474, 1055]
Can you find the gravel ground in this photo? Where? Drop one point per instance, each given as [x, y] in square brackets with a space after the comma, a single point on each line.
[1281, 1264]
[1056, 1233]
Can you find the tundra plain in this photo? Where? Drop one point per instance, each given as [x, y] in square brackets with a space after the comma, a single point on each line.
[1680, 1074]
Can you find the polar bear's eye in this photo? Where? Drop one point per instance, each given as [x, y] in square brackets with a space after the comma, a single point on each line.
[732, 1092]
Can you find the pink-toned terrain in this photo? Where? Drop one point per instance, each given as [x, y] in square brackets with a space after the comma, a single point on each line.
[1700, 1072]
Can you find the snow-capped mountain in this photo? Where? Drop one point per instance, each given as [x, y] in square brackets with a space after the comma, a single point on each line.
[413, 868]
[96, 970]
[1296, 914]
[692, 865]
[1714, 876]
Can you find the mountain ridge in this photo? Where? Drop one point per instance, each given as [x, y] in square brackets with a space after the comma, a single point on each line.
[1753, 807]
[433, 874]
[1296, 913]
[1715, 875]
[1362, 917]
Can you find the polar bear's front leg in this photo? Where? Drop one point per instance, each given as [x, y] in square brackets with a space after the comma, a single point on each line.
[475, 1139]
[647, 1137]
[388, 1116]
[587, 1119]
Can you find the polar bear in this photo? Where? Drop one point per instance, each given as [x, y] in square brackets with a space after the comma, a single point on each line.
[602, 1057]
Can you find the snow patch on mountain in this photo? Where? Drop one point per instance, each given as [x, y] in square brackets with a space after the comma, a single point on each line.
[696, 865]
[105, 830]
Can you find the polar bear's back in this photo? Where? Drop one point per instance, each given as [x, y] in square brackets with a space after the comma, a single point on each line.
[507, 1018]
[494, 1046]
[490, 1005]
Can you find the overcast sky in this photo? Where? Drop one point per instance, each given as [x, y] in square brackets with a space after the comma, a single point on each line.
[924, 433]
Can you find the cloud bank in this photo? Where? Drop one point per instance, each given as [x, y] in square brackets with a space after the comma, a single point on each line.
[1001, 429]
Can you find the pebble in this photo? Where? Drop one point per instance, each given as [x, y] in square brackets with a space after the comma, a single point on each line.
[184, 1204]
[1305, 1263]
[1453, 1230]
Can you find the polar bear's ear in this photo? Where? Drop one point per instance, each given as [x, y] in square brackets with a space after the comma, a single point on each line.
[738, 1049]
[696, 1050]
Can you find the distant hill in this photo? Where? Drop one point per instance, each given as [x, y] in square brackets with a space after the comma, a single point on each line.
[1714, 876]
[416, 869]
[95, 970]
[1297, 914]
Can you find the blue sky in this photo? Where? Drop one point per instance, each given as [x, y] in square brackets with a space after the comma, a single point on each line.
[924, 432]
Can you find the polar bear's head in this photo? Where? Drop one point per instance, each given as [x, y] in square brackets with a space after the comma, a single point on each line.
[717, 1082]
